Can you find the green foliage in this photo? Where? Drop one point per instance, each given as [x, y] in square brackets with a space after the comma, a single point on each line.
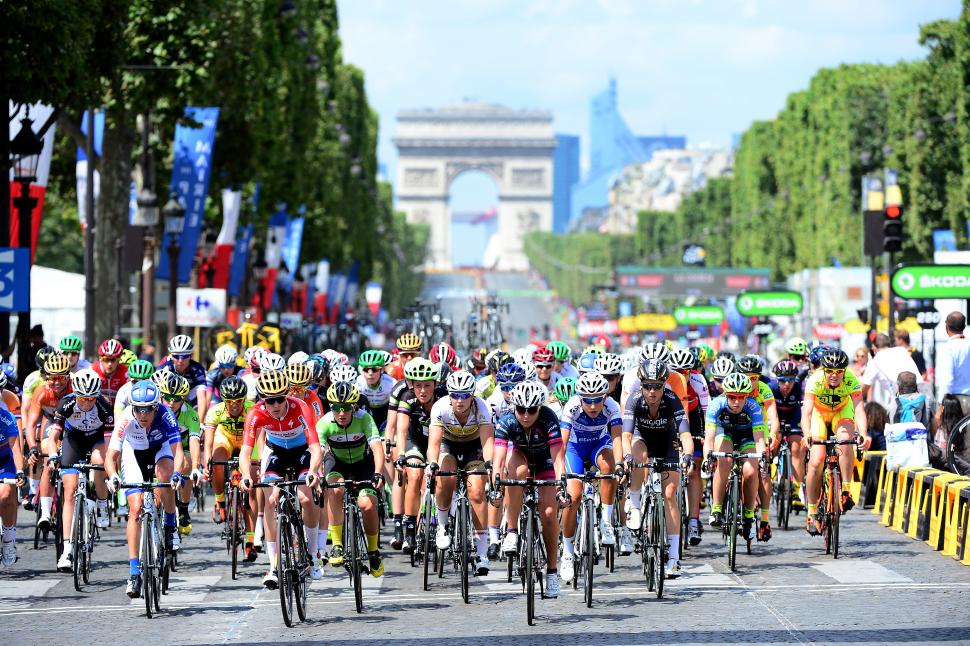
[60, 243]
[574, 263]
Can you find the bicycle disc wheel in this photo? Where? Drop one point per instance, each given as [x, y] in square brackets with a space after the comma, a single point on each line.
[234, 530]
[530, 564]
[284, 565]
[660, 545]
[588, 548]
[733, 519]
[462, 546]
[352, 541]
[76, 565]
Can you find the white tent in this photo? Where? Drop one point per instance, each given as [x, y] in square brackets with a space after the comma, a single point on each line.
[56, 303]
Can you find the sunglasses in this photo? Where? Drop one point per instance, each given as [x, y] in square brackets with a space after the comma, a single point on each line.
[408, 355]
[373, 369]
[833, 372]
[341, 408]
[611, 377]
[173, 398]
[57, 379]
[753, 375]
[593, 400]
[523, 410]
[107, 359]
[297, 390]
[786, 380]
[86, 399]
[182, 357]
[647, 385]
[461, 396]
[737, 398]
[143, 410]
[234, 401]
[272, 401]
[543, 366]
[226, 366]
[71, 353]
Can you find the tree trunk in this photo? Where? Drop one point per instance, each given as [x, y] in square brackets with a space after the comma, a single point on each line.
[112, 214]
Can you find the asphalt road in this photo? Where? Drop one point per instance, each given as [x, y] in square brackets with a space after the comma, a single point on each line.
[886, 588]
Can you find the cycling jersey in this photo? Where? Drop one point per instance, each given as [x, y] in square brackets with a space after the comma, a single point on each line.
[790, 407]
[394, 399]
[420, 419]
[249, 378]
[660, 432]
[588, 436]
[485, 386]
[228, 431]
[316, 405]
[123, 398]
[497, 404]
[830, 400]
[8, 431]
[31, 383]
[194, 372]
[553, 378]
[765, 399]
[569, 371]
[535, 443]
[442, 414]
[348, 444]
[675, 381]
[110, 384]
[740, 428]
[45, 399]
[189, 425]
[74, 421]
[164, 430]
[698, 394]
[378, 397]
[214, 378]
[294, 430]
[395, 369]
[11, 403]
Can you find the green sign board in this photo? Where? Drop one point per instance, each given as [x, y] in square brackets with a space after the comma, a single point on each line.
[931, 281]
[769, 303]
[699, 315]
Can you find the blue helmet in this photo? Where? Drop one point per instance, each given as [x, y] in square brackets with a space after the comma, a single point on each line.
[509, 375]
[10, 371]
[145, 393]
[815, 355]
[587, 362]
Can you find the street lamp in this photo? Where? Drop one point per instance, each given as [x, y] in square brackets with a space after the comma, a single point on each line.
[25, 150]
[174, 214]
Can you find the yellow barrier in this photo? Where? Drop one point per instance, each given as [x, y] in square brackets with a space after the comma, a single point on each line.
[887, 489]
[956, 515]
[917, 524]
[963, 519]
[904, 489]
[872, 466]
[938, 508]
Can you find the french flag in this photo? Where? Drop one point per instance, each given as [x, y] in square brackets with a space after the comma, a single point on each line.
[39, 114]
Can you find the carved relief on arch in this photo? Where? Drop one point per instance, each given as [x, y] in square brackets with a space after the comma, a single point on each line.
[421, 177]
[528, 220]
[493, 168]
[528, 177]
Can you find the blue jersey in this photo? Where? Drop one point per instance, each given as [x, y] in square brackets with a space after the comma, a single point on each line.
[8, 431]
[195, 373]
[164, 429]
[583, 428]
[720, 417]
[790, 407]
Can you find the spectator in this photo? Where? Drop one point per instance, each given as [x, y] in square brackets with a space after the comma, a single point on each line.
[861, 359]
[902, 341]
[953, 361]
[876, 420]
[911, 405]
[879, 379]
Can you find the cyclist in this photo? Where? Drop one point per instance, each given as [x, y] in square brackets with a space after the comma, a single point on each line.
[145, 443]
[591, 424]
[676, 381]
[797, 350]
[409, 347]
[31, 383]
[174, 388]
[461, 436]
[734, 422]
[290, 443]
[226, 365]
[509, 375]
[180, 361]
[444, 353]
[543, 360]
[720, 369]
[70, 347]
[475, 363]
[565, 389]
[587, 362]
[84, 417]
[833, 405]
[300, 375]
[9, 401]
[138, 371]
[752, 366]
[789, 395]
[375, 384]
[11, 466]
[655, 425]
[253, 358]
[356, 453]
[528, 444]
[108, 367]
[611, 367]
[561, 355]
[698, 399]
[485, 386]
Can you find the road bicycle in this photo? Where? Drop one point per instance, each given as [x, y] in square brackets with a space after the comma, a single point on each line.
[356, 558]
[461, 529]
[427, 525]
[783, 480]
[236, 503]
[652, 535]
[830, 502]
[152, 553]
[734, 503]
[54, 529]
[587, 536]
[84, 526]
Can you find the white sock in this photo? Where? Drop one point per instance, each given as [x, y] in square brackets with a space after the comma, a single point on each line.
[46, 502]
[34, 485]
[493, 535]
[567, 546]
[68, 546]
[673, 540]
[102, 507]
[607, 514]
[311, 539]
[481, 543]
[9, 534]
[322, 539]
[635, 499]
[442, 516]
[271, 550]
[258, 530]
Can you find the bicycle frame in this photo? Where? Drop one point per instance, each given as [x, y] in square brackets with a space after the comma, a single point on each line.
[733, 503]
[152, 555]
[84, 528]
[589, 541]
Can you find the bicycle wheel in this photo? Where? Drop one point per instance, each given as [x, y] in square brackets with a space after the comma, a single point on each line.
[37, 532]
[234, 513]
[530, 564]
[352, 543]
[659, 541]
[646, 552]
[58, 520]
[426, 538]
[958, 448]
[76, 550]
[588, 548]
[461, 537]
[836, 512]
[783, 491]
[285, 566]
[825, 509]
[146, 559]
[301, 561]
[733, 519]
[684, 521]
[90, 534]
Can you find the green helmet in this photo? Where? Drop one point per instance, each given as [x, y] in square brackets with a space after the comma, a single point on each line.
[140, 369]
[564, 389]
[372, 359]
[70, 343]
[707, 353]
[796, 345]
[560, 350]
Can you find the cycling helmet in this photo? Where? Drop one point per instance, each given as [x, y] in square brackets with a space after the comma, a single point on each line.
[696, 351]
[530, 371]
[254, 356]
[127, 357]
[57, 364]
[460, 381]
[340, 359]
[681, 359]
[159, 377]
[564, 389]
[496, 360]
[560, 351]
[86, 383]
[750, 364]
[785, 368]
[297, 357]
[592, 384]
[737, 383]
[706, 352]
[171, 384]
[522, 356]
[342, 373]
[607, 364]
[183, 386]
[835, 359]
[140, 369]
[603, 341]
[595, 348]
[815, 354]
[443, 371]
[318, 369]
[408, 342]
[145, 394]
[372, 359]
[728, 355]
[232, 388]
[587, 362]
[796, 345]
[273, 383]
[343, 393]
[70, 343]
[444, 353]
[479, 355]
[299, 374]
[226, 356]
[4, 381]
[180, 344]
[655, 351]
[420, 369]
[110, 348]
[543, 356]
[509, 375]
[722, 367]
[529, 394]
[42, 355]
[653, 370]
[272, 361]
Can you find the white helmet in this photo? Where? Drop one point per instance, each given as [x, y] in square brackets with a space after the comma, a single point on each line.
[522, 356]
[226, 355]
[530, 371]
[592, 384]
[86, 383]
[297, 357]
[271, 361]
[608, 364]
[460, 381]
[529, 394]
[340, 359]
[722, 367]
[681, 359]
[180, 344]
[340, 373]
[654, 351]
[254, 356]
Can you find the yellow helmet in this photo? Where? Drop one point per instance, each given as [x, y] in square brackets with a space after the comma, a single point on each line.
[299, 374]
[343, 393]
[57, 365]
[408, 342]
[273, 383]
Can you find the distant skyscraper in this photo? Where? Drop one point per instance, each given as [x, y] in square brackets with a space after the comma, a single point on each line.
[565, 174]
[661, 142]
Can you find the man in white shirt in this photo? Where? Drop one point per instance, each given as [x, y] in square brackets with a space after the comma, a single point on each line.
[953, 359]
[879, 379]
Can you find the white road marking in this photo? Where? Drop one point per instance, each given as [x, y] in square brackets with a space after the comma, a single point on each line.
[700, 575]
[184, 590]
[859, 571]
[21, 594]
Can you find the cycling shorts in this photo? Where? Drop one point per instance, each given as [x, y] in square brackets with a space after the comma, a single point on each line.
[741, 439]
[76, 447]
[363, 470]
[138, 465]
[230, 445]
[7, 467]
[823, 422]
[578, 456]
[468, 455]
[539, 461]
[278, 460]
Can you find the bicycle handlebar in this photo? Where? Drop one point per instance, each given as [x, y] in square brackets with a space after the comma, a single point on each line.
[734, 454]
[530, 482]
[339, 484]
[278, 483]
[834, 442]
[586, 477]
[147, 485]
[84, 466]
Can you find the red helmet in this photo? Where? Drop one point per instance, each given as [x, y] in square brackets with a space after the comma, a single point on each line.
[110, 348]
[543, 356]
[603, 341]
[443, 352]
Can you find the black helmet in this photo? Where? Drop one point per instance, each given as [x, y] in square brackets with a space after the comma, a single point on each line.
[750, 364]
[496, 360]
[41, 358]
[835, 359]
[653, 370]
[232, 388]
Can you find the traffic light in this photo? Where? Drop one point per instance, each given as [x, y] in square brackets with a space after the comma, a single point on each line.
[892, 222]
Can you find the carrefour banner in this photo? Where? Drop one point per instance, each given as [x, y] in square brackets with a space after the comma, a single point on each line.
[191, 169]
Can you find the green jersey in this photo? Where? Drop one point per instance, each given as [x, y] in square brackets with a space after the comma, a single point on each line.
[189, 426]
[350, 444]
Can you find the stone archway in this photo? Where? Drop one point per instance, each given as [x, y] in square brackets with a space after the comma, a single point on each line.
[514, 147]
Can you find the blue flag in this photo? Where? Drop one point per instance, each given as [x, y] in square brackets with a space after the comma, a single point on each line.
[240, 256]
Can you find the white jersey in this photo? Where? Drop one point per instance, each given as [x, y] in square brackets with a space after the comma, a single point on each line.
[249, 378]
[700, 387]
[496, 402]
[629, 384]
[582, 427]
[568, 370]
[123, 398]
[553, 378]
[443, 415]
[163, 430]
[377, 396]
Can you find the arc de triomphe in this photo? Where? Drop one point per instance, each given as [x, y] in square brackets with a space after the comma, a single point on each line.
[515, 147]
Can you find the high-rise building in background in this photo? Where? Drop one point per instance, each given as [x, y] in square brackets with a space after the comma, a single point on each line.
[565, 174]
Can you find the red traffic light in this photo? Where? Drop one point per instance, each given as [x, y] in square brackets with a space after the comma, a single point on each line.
[893, 211]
